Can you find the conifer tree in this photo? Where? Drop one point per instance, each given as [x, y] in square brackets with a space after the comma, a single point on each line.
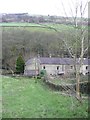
[20, 64]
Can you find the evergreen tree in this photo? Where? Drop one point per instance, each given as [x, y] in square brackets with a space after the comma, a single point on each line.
[20, 64]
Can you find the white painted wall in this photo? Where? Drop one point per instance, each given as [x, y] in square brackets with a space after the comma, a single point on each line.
[52, 69]
[83, 69]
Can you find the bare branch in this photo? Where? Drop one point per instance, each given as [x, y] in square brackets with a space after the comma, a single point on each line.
[85, 8]
[81, 10]
[84, 52]
[75, 19]
[64, 9]
[72, 3]
[71, 11]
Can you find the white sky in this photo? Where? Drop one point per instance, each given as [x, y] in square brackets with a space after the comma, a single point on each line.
[41, 7]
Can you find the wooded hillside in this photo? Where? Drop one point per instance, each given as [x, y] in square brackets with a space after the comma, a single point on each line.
[33, 40]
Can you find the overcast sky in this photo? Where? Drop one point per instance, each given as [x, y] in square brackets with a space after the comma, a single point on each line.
[41, 7]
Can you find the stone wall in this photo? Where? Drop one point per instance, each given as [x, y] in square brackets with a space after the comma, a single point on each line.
[84, 87]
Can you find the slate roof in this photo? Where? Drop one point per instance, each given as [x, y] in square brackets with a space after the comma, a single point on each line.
[62, 61]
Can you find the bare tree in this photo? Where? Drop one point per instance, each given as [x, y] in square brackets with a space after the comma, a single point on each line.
[81, 39]
[79, 27]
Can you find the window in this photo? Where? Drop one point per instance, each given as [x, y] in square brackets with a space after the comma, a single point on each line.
[71, 67]
[86, 67]
[57, 67]
[43, 67]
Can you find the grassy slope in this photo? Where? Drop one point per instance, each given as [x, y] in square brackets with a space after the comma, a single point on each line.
[37, 27]
[24, 98]
[32, 27]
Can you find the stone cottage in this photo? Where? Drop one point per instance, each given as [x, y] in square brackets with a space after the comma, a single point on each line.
[54, 66]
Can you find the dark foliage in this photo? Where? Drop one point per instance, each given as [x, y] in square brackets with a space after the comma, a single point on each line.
[20, 65]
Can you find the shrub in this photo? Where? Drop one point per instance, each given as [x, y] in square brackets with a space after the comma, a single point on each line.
[42, 73]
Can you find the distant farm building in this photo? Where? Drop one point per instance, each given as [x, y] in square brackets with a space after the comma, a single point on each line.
[54, 66]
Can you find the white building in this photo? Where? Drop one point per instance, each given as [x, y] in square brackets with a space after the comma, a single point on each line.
[54, 66]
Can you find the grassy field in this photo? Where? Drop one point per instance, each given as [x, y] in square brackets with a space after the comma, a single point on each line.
[18, 24]
[23, 98]
[39, 27]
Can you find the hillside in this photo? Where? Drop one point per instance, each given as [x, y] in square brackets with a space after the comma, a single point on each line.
[30, 39]
[23, 98]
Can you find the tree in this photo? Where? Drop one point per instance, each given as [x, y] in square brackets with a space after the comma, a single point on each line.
[20, 65]
[82, 41]
[80, 37]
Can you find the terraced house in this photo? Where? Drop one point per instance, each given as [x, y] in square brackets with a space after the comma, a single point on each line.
[55, 66]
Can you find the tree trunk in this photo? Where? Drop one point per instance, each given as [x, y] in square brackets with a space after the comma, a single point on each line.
[78, 77]
[77, 85]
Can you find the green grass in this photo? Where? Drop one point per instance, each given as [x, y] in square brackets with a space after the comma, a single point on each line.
[44, 27]
[38, 27]
[23, 98]
[18, 24]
